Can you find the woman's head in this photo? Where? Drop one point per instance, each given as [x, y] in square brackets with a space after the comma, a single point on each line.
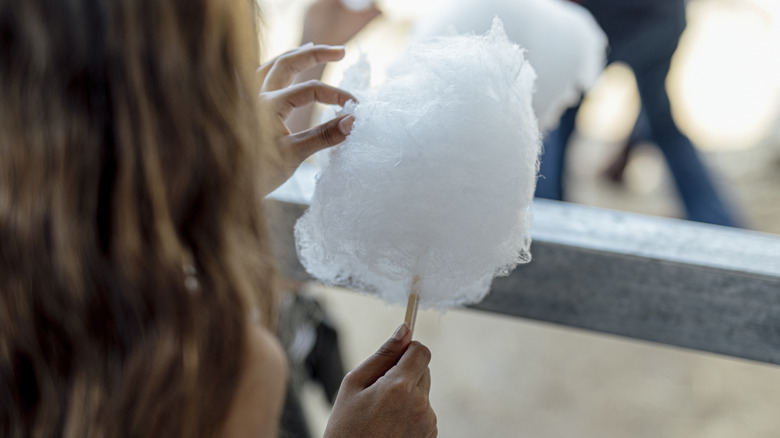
[131, 241]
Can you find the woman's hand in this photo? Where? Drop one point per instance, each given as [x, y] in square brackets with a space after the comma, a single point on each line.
[330, 22]
[280, 98]
[387, 396]
[327, 22]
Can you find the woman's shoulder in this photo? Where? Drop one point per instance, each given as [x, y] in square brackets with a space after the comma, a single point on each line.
[258, 402]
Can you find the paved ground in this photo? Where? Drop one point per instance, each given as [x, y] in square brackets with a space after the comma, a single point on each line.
[501, 377]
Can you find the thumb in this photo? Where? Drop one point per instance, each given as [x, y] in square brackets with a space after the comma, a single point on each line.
[303, 144]
[385, 358]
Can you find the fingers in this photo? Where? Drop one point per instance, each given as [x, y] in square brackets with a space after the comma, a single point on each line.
[413, 365]
[280, 72]
[281, 98]
[388, 394]
[425, 381]
[303, 144]
[383, 360]
[285, 100]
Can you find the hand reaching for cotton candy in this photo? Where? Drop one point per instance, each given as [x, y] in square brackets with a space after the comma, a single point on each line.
[431, 191]
[280, 98]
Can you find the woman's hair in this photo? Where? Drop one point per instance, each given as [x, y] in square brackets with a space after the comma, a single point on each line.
[132, 243]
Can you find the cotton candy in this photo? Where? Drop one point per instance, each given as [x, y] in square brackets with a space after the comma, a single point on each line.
[565, 45]
[436, 178]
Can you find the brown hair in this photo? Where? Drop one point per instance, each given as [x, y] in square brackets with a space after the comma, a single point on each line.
[132, 245]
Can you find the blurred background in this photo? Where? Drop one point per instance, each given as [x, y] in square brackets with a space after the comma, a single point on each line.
[500, 377]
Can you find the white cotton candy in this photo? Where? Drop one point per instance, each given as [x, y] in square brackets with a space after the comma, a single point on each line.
[436, 178]
[564, 44]
[357, 5]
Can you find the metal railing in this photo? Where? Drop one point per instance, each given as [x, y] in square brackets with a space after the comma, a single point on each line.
[675, 282]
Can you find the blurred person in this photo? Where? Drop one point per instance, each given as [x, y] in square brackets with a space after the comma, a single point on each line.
[616, 168]
[644, 35]
[137, 292]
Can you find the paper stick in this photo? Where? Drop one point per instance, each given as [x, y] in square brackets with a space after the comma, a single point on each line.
[413, 304]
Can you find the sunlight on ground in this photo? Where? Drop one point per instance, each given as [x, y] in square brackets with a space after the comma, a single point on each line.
[726, 77]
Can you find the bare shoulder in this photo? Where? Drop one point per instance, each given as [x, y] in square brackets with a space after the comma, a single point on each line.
[258, 403]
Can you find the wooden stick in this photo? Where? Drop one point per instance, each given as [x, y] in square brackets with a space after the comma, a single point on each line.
[413, 304]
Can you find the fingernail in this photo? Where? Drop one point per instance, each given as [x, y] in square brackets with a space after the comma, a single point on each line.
[345, 125]
[401, 332]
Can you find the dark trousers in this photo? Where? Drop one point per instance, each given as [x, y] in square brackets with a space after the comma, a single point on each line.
[645, 38]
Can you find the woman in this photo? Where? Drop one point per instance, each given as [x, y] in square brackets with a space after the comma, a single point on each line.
[136, 284]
